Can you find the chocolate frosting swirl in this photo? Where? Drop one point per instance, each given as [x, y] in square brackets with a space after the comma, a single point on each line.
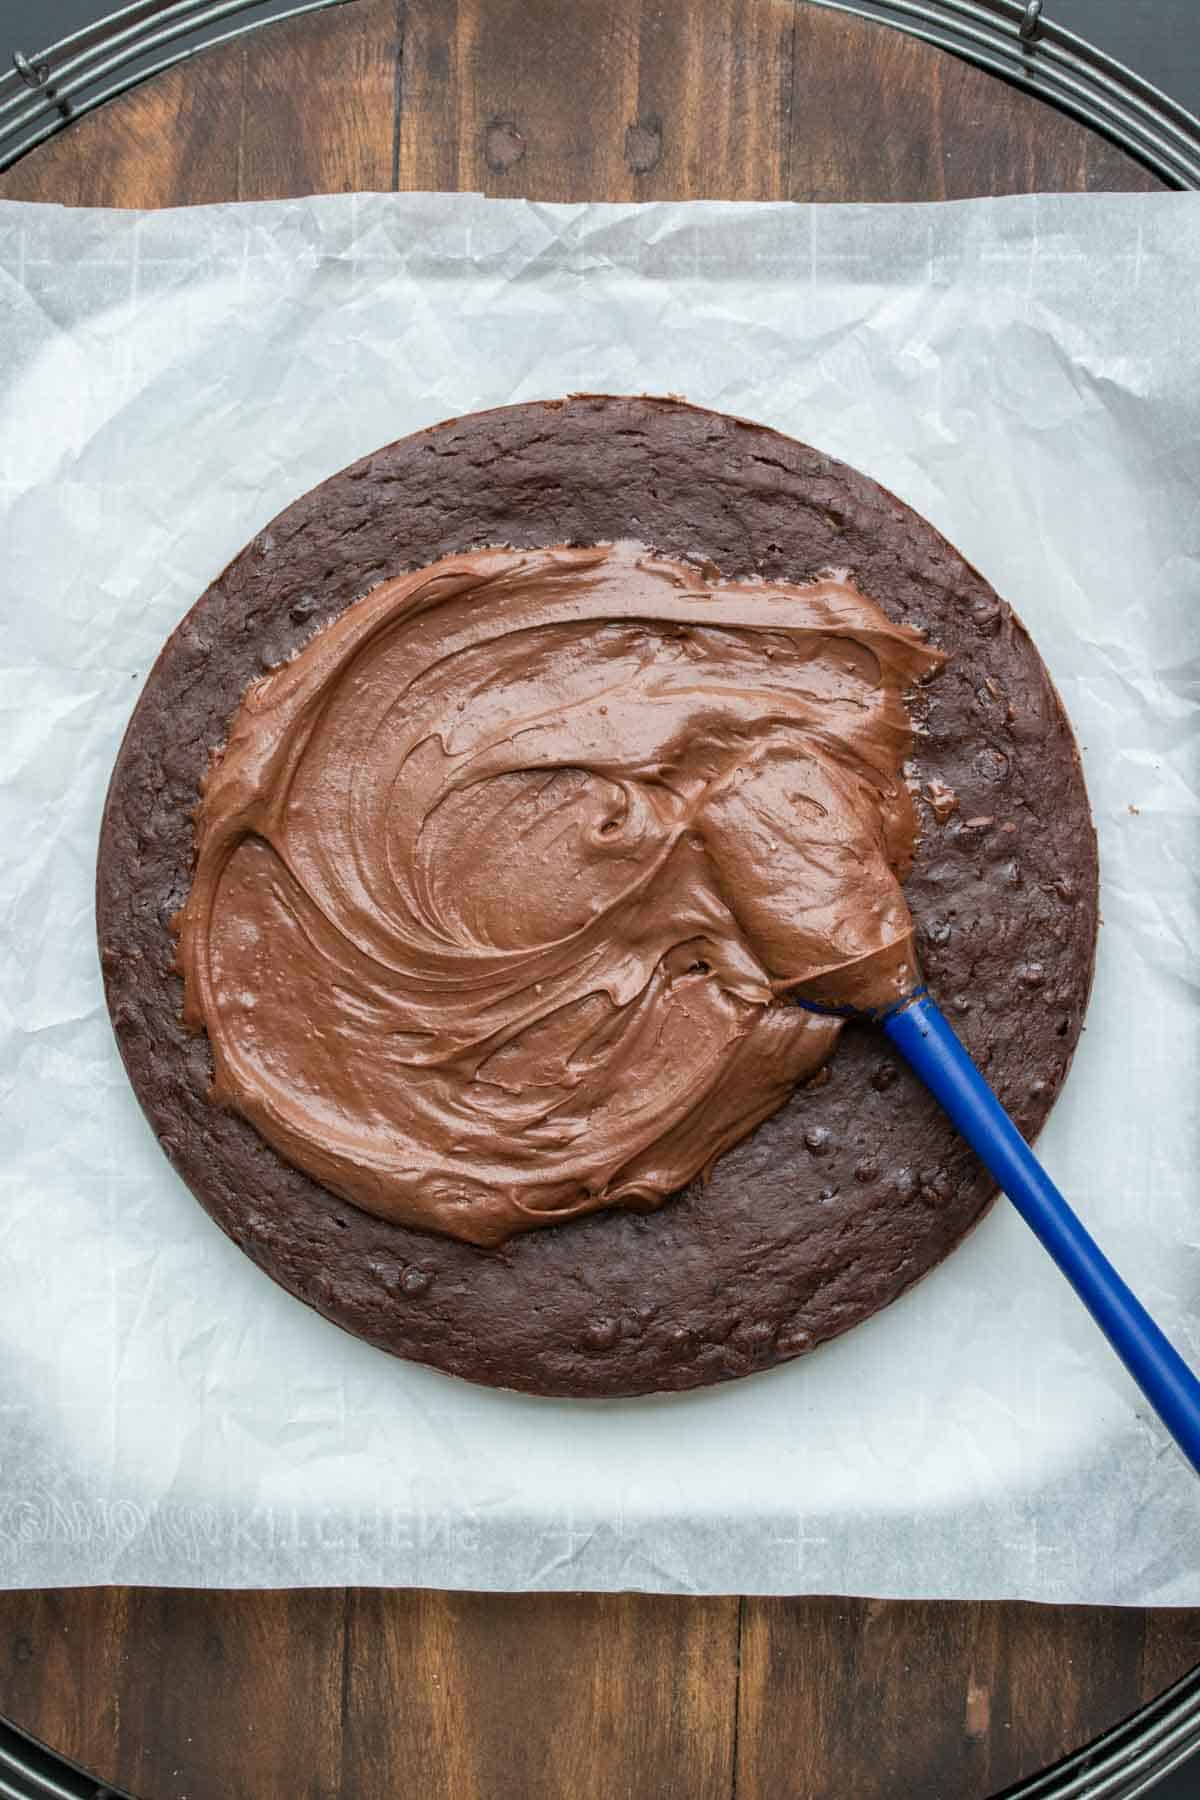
[505, 883]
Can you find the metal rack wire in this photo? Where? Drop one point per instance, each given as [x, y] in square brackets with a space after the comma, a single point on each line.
[1130, 1760]
[1126, 1763]
[1017, 41]
[41, 93]
[1014, 39]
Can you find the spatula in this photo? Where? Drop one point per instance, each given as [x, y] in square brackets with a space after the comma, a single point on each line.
[925, 1038]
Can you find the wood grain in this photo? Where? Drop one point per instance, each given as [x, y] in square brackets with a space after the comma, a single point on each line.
[925, 126]
[367, 1694]
[977, 1697]
[602, 99]
[318, 105]
[587, 1695]
[248, 1696]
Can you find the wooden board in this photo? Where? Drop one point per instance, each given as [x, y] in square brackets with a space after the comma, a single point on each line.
[597, 99]
[366, 1694]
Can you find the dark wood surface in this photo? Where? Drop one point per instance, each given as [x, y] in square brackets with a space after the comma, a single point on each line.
[180, 1695]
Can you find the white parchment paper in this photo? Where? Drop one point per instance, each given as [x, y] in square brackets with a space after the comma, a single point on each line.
[1026, 373]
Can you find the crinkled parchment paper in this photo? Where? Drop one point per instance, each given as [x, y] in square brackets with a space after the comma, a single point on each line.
[1024, 372]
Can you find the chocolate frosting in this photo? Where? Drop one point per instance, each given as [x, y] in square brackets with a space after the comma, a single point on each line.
[505, 884]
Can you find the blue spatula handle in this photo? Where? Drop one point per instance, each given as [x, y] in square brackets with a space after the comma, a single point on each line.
[925, 1038]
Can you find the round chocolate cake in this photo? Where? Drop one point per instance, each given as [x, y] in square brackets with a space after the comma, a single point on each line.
[490, 843]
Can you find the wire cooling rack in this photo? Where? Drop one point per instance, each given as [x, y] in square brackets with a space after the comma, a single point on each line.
[1016, 39]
